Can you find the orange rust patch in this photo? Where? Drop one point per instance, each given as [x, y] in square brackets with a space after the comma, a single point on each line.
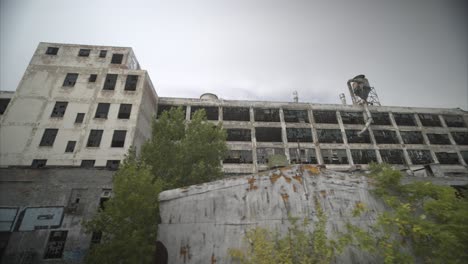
[323, 193]
[184, 253]
[285, 197]
[298, 178]
[294, 188]
[274, 178]
[312, 169]
[213, 259]
[288, 180]
[252, 185]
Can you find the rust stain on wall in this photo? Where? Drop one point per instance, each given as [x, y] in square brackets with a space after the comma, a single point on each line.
[252, 185]
[298, 178]
[213, 259]
[323, 193]
[294, 188]
[312, 169]
[274, 178]
[285, 197]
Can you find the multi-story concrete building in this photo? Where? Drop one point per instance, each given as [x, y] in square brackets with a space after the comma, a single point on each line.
[85, 106]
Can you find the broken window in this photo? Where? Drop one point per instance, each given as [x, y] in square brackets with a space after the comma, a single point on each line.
[94, 139]
[52, 50]
[419, 157]
[38, 163]
[404, 119]
[92, 78]
[454, 121]
[268, 134]
[302, 156]
[70, 79]
[299, 134]
[412, 137]
[238, 156]
[465, 156]
[48, 137]
[124, 111]
[325, 117]
[131, 82]
[59, 109]
[385, 137]
[460, 137]
[87, 163]
[117, 58]
[109, 83]
[430, 120]
[163, 108]
[352, 118]
[102, 53]
[295, 116]
[329, 136]
[263, 154]
[70, 146]
[211, 111]
[447, 158]
[392, 156]
[438, 139]
[118, 139]
[363, 156]
[334, 156]
[79, 118]
[353, 137]
[3, 104]
[266, 115]
[236, 114]
[55, 244]
[380, 119]
[84, 52]
[112, 164]
[238, 135]
[102, 110]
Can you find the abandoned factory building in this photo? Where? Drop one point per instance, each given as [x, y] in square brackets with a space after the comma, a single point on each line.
[79, 108]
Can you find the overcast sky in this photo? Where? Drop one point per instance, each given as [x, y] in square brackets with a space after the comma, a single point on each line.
[414, 52]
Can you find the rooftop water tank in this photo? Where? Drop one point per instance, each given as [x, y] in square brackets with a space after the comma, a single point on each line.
[209, 96]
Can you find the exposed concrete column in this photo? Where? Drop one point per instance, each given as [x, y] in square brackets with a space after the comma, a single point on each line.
[452, 141]
[426, 139]
[318, 152]
[343, 136]
[254, 140]
[187, 113]
[220, 114]
[400, 139]
[374, 143]
[283, 135]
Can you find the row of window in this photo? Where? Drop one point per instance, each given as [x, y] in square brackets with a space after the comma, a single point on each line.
[274, 134]
[94, 139]
[117, 58]
[325, 117]
[110, 164]
[109, 83]
[102, 111]
[339, 156]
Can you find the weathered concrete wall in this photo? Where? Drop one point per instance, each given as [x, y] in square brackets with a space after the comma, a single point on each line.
[47, 200]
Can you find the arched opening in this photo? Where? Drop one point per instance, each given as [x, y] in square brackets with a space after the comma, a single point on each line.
[160, 256]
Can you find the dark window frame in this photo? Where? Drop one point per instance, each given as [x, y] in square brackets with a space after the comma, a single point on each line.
[84, 52]
[102, 110]
[38, 163]
[70, 80]
[131, 82]
[299, 134]
[79, 118]
[404, 119]
[296, 116]
[48, 137]
[110, 82]
[55, 244]
[102, 53]
[87, 163]
[118, 138]
[71, 144]
[262, 135]
[238, 134]
[125, 111]
[94, 138]
[52, 50]
[92, 78]
[117, 58]
[242, 115]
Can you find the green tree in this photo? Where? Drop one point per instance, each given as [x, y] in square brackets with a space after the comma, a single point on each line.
[424, 222]
[178, 154]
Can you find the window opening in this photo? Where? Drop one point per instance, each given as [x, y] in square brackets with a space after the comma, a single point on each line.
[266, 115]
[70, 146]
[48, 137]
[325, 117]
[302, 156]
[70, 79]
[52, 50]
[38, 163]
[295, 116]
[268, 134]
[299, 134]
[239, 156]
[404, 119]
[87, 163]
[117, 58]
[3, 104]
[430, 120]
[102, 110]
[465, 156]
[385, 137]
[352, 118]
[109, 83]
[102, 53]
[113, 164]
[419, 157]
[363, 156]
[236, 114]
[329, 136]
[124, 111]
[263, 154]
[55, 244]
[447, 158]
[412, 137]
[164, 108]
[84, 52]
[92, 78]
[334, 156]
[211, 111]
[380, 119]
[461, 138]
[353, 137]
[438, 139]
[238, 135]
[59, 109]
[454, 121]
[94, 139]
[392, 156]
[79, 118]
[118, 139]
[131, 82]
